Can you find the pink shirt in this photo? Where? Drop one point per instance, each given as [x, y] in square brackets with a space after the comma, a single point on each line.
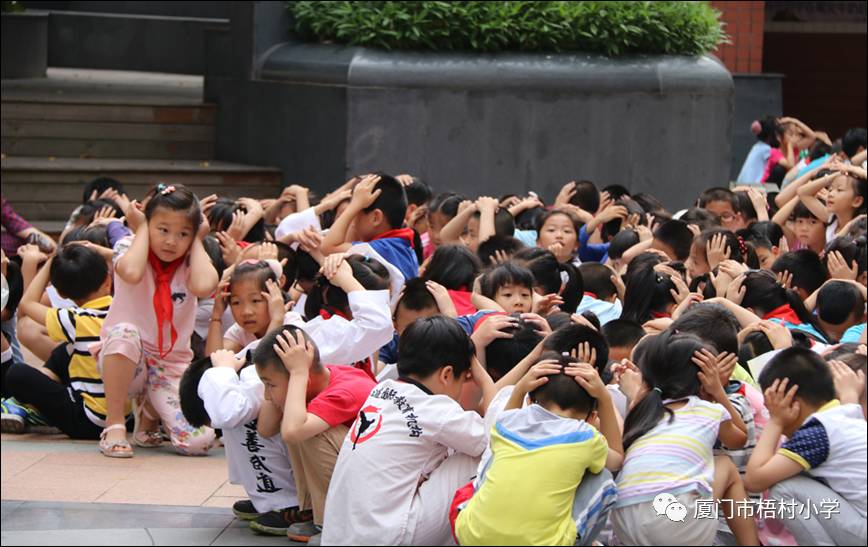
[774, 157]
[135, 304]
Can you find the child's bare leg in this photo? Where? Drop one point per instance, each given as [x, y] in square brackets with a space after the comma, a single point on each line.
[34, 337]
[729, 489]
[117, 375]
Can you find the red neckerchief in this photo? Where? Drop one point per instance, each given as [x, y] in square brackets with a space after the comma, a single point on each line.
[660, 315]
[163, 306]
[367, 367]
[401, 233]
[462, 302]
[592, 295]
[784, 313]
[326, 314]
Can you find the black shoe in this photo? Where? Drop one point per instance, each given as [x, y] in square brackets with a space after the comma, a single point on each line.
[276, 523]
[245, 510]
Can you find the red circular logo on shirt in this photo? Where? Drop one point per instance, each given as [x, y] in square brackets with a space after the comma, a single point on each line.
[368, 423]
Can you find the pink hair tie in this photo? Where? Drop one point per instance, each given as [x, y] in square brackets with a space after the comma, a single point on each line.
[755, 127]
[164, 189]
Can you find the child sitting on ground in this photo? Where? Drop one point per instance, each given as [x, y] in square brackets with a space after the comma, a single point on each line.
[826, 441]
[312, 405]
[669, 435]
[413, 424]
[376, 215]
[223, 391]
[69, 394]
[550, 456]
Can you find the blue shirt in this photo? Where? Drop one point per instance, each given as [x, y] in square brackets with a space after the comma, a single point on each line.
[755, 164]
[853, 334]
[399, 253]
[591, 252]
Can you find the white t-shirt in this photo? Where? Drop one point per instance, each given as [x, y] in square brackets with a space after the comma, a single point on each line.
[260, 465]
[403, 433]
[831, 445]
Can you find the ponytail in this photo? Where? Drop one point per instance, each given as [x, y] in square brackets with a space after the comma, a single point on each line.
[644, 416]
[646, 291]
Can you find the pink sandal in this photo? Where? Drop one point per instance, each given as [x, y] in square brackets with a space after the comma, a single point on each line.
[115, 449]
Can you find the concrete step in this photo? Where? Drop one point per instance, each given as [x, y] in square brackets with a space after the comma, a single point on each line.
[204, 114]
[45, 191]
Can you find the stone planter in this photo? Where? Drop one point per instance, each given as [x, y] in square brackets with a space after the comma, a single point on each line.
[482, 124]
[24, 45]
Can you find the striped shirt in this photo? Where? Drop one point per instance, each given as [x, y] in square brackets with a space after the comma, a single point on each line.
[79, 327]
[674, 457]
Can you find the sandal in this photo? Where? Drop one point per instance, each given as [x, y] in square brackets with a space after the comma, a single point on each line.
[115, 449]
[146, 439]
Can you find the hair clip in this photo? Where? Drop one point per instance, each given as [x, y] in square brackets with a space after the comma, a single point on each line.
[165, 189]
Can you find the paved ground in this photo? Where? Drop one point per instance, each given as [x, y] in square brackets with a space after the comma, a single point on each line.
[58, 491]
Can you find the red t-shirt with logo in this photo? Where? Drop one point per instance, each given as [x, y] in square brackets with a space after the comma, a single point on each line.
[341, 401]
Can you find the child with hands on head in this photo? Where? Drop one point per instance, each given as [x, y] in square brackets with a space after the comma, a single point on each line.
[669, 435]
[558, 454]
[312, 405]
[144, 348]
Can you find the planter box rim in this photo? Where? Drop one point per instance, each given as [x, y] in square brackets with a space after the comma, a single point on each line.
[27, 13]
[363, 67]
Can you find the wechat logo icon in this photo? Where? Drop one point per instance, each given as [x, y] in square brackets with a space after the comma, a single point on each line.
[668, 505]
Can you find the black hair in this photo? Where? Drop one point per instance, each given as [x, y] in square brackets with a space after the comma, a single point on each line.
[712, 323]
[818, 150]
[502, 354]
[667, 365]
[78, 271]
[98, 235]
[308, 267]
[453, 266]
[807, 269]
[192, 406]
[549, 275]
[767, 229]
[839, 301]
[763, 294]
[431, 343]
[215, 253]
[853, 140]
[804, 368]
[739, 249]
[677, 235]
[504, 223]
[418, 192]
[488, 249]
[572, 335]
[558, 319]
[574, 220]
[777, 174]
[446, 203]
[802, 211]
[622, 241]
[416, 296]
[649, 203]
[587, 196]
[290, 266]
[529, 219]
[745, 206]
[597, 279]
[265, 356]
[100, 185]
[181, 199]
[16, 287]
[392, 201]
[770, 129]
[370, 274]
[647, 293]
[851, 249]
[505, 274]
[220, 218]
[703, 218]
[612, 227]
[755, 343]
[616, 191]
[258, 270]
[718, 194]
[622, 333]
[847, 354]
[562, 390]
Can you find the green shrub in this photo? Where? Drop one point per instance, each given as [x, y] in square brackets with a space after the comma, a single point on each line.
[610, 28]
[11, 6]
